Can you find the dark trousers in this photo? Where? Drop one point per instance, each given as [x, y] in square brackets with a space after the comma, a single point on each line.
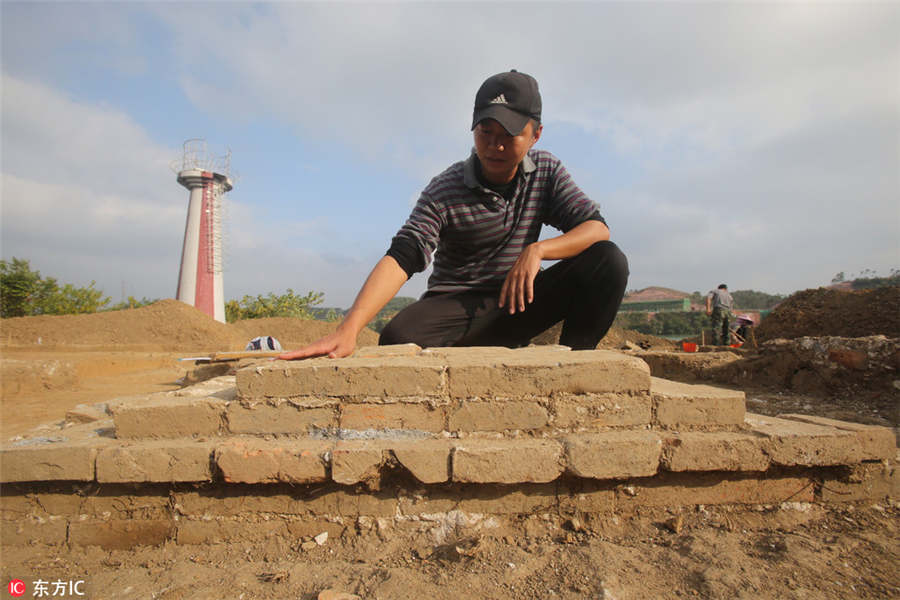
[583, 291]
[721, 322]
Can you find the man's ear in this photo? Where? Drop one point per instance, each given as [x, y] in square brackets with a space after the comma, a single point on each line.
[537, 132]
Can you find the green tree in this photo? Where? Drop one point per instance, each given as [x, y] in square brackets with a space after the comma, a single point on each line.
[751, 299]
[285, 305]
[663, 323]
[394, 305]
[871, 283]
[17, 285]
[132, 302]
[24, 292]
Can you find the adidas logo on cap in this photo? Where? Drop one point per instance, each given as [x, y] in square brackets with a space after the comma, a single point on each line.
[501, 99]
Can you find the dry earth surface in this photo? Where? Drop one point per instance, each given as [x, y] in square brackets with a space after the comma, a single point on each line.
[51, 364]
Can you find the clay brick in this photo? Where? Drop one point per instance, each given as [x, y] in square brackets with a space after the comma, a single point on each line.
[791, 443]
[506, 461]
[261, 418]
[868, 481]
[875, 443]
[427, 460]
[87, 413]
[105, 501]
[686, 489]
[390, 350]
[53, 461]
[115, 501]
[357, 460]
[376, 504]
[64, 453]
[497, 416]
[252, 461]
[436, 501]
[714, 451]
[15, 504]
[63, 503]
[596, 411]
[160, 461]
[222, 387]
[446, 352]
[120, 534]
[345, 377]
[225, 530]
[415, 417]
[242, 500]
[232, 501]
[310, 528]
[852, 359]
[32, 530]
[337, 502]
[504, 500]
[537, 372]
[168, 416]
[679, 404]
[613, 454]
[587, 496]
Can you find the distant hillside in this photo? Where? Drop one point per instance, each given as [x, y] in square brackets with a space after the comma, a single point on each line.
[865, 283]
[654, 294]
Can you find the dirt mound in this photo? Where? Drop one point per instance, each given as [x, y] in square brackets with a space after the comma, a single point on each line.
[828, 312]
[293, 333]
[616, 338]
[167, 325]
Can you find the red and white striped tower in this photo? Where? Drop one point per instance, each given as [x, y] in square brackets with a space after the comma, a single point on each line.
[200, 277]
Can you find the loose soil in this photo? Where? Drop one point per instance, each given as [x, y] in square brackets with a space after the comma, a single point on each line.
[827, 312]
[50, 364]
[800, 552]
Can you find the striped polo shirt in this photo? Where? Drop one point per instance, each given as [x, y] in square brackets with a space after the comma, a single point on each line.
[475, 233]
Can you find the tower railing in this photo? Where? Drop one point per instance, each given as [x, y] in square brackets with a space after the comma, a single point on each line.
[197, 156]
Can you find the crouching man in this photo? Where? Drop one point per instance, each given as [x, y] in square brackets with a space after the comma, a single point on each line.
[482, 218]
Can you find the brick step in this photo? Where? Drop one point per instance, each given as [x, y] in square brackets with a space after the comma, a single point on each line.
[123, 516]
[88, 452]
[213, 408]
[448, 373]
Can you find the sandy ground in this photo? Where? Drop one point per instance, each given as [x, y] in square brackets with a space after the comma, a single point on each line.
[807, 552]
[51, 383]
[792, 551]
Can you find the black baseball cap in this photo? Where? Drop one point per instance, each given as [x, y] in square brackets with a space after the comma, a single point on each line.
[510, 98]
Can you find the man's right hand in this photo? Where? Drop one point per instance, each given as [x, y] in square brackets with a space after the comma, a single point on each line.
[334, 345]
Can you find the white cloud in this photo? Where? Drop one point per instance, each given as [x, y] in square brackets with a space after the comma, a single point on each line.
[751, 129]
[665, 82]
[86, 195]
[100, 148]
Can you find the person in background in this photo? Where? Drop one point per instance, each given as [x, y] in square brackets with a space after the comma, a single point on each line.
[719, 306]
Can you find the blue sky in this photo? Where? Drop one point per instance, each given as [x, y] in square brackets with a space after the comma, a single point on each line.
[756, 143]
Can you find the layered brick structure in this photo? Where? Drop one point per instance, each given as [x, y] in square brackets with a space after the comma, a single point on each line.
[417, 437]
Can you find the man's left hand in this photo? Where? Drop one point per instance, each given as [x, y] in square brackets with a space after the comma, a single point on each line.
[518, 288]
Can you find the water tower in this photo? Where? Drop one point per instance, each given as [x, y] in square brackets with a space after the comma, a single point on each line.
[200, 276]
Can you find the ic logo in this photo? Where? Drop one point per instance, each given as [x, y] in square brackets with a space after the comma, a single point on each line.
[16, 588]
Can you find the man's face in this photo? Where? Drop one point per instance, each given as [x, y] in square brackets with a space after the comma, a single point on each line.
[499, 152]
